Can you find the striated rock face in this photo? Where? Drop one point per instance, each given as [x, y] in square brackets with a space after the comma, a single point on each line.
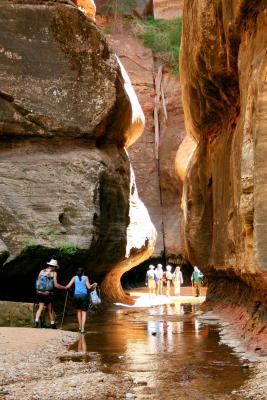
[223, 74]
[157, 181]
[67, 111]
[167, 9]
[138, 61]
[140, 8]
[172, 133]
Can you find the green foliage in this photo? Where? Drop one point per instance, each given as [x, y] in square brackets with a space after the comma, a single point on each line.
[67, 249]
[163, 38]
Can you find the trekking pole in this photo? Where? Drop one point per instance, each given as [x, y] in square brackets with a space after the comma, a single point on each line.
[63, 315]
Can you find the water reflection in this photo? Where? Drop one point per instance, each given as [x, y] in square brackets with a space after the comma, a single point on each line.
[153, 344]
[81, 345]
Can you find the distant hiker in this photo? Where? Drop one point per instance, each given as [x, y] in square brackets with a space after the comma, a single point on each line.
[45, 284]
[196, 279]
[81, 287]
[168, 277]
[151, 279]
[177, 281]
[159, 282]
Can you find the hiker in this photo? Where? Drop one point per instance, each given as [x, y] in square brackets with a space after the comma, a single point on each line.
[151, 279]
[159, 282]
[168, 278]
[45, 284]
[81, 287]
[196, 279]
[177, 279]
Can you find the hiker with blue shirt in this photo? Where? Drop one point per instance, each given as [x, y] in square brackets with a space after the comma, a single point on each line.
[45, 284]
[81, 287]
[196, 279]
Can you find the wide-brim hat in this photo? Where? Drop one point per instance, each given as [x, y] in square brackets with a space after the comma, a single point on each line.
[151, 266]
[53, 263]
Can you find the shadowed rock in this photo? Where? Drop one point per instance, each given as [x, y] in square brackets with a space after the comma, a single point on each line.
[223, 75]
[67, 112]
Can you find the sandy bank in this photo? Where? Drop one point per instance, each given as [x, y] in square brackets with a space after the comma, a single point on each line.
[36, 364]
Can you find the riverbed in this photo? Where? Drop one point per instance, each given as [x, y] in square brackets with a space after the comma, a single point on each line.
[172, 351]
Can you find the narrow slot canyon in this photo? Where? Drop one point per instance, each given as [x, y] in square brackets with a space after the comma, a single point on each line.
[133, 133]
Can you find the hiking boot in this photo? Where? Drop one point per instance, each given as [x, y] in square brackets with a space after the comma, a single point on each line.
[82, 331]
[53, 326]
[36, 324]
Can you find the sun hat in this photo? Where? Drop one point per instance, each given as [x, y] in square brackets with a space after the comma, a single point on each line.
[53, 263]
[151, 266]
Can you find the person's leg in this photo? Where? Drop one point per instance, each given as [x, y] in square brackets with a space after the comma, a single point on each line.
[79, 317]
[197, 289]
[84, 314]
[52, 315]
[168, 288]
[157, 288]
[175, 288]
[38, 314]
[161, 287]
[178, 288]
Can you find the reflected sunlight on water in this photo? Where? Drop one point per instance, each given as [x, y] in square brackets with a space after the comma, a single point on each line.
[169, 351]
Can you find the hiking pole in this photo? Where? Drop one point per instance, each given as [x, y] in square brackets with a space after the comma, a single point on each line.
[63, 315]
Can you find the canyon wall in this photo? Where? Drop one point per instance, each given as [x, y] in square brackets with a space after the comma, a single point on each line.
[223, 67]
[157, 181]
[67, 112]
[167, 9]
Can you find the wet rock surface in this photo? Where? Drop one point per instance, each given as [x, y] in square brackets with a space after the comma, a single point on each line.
[67, 112]
[223, 72]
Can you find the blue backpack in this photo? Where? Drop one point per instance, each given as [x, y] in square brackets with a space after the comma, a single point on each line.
[45, 282]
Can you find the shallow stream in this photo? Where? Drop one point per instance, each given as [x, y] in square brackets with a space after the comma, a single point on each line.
[171, 352]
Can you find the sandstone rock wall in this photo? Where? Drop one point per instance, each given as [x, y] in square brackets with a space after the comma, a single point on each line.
[167, 9]
[223, 74]
[159, 187]
[67, 112]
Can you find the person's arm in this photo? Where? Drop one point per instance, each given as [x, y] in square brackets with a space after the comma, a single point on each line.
[181, 278]
[70, 283]
[94, 285]
[146, 279]
[56, 284]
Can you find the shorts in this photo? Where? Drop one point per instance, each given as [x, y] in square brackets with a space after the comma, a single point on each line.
[44, 298]
[81, 302]
[151, 284]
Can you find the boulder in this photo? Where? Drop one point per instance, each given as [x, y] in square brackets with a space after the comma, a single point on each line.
[67, 113]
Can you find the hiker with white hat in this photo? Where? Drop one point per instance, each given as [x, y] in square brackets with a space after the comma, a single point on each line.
[151, 279]
[45, 284]
[159, 283]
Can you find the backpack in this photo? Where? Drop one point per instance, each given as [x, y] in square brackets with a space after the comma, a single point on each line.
[45, 282]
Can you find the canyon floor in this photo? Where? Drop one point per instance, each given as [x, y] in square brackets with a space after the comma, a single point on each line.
[36, 364]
